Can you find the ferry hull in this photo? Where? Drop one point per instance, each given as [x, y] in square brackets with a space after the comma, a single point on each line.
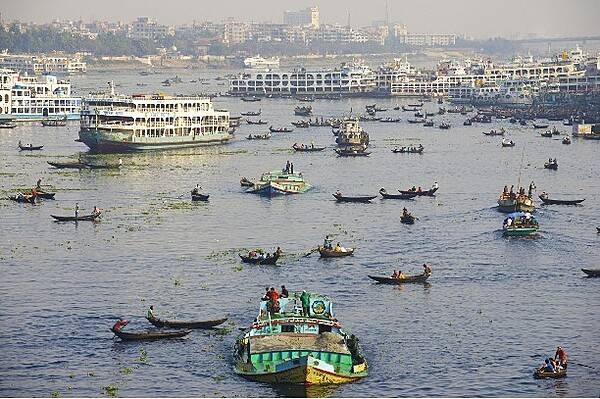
[121, 142]
[520, 232]
[306, 370]
[273, 189]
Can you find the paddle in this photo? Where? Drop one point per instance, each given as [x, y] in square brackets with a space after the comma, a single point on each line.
[310, 253]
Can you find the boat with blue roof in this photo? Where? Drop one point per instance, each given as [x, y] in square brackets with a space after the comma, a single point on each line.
[520, 224]
[297, 340]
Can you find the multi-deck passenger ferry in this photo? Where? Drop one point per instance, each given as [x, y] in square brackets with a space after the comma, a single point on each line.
[35, 98]
[347, 80]
[114, 123]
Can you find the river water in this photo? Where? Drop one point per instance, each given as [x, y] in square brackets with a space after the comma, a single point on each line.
[495, 307]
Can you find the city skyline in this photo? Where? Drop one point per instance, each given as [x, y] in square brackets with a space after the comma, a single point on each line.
[428, 16]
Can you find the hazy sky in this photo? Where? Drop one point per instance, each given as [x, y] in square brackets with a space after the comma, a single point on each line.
[483, 18]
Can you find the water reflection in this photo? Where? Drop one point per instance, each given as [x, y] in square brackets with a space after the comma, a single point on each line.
[561, 388]
[304, 391]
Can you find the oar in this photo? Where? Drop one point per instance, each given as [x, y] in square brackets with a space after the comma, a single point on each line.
[584, 365]
[310, 253]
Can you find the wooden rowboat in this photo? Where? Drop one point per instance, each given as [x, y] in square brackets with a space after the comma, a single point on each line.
[549, 201]
[149, 335]
[364, 198]
[30, 147]
[541, 374]
[91, 217]
[591, 272]
[408, 219]
[307, 148]
[43, 195]
[260, 261]
[186, 324]
[29, 199]
[386, 195]
[330, 253]
[427, 193]
[67, 165]
[200, 197]
[421, 278]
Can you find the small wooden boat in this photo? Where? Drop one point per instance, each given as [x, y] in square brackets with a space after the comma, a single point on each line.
[250, 99]
[408, 150]
[495, 132]
[538, 125]
[24, 199]
[258, 122]
[549, 201]
[301, 124]
[426, 193]
[8, 124]
[407, 219]
[331, 253]
[444, 126]
[416, 120]
[390, 120]
[428, 123]
[307, 148]
[67, 165]
[186, 324]
[547, 133]
[91, 217]
[551, 165]
[541, 374]
[303, 111]
[420, 278]
[251, 113]
[30, 147]
[45, 195]
[260, 261]
[352, 153]
[102, 166]
[591, 272]
[363, 198]
[200, 197]
[280, 129]
[149, 335]
[386, 195]
[507, 143]
[468, 123]
[55, 122]
[265, 136]
[566, 140]
[244, 182]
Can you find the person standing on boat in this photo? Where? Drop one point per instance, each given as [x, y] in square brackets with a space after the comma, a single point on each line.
[562, 356]
[292, 168]
[76, 209]
[150, 315]
[287, 167]
[435, 185]
[38, 185]
[305, 299]
[426, 269]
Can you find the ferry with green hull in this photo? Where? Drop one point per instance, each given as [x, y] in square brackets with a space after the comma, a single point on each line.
[297, 340]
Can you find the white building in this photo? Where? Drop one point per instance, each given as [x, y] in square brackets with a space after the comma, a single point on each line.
[307, 17]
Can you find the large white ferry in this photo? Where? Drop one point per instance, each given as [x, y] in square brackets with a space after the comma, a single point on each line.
[347, 80]
[114, 123]
[259, 62]
[31, 98]
[451, 74]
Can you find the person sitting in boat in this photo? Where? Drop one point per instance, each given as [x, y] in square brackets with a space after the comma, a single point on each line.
[284, 292]
[426, 269]
[150, 314]
[339, 248]
[562, 356]
[278, 252]
[395, 274]
[547, 366]
[401, 275]
[119, 324]
[414, 188]
[505, 190]
[419, 189]
[508, 222]
[405, 213]
[196, 189]
[20, 143]
[96, 211]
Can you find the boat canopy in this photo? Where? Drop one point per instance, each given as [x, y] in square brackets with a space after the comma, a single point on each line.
[518, 214]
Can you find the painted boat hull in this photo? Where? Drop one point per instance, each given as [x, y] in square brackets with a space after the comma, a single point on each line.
[186, 324]
[329, 253]
[365, 198]
[150, 335]
[273, 189]
[421, 278]
[549, 201]
[591, 272]
[525, 231]
[306, 370]
[545, 374]
[100, 141]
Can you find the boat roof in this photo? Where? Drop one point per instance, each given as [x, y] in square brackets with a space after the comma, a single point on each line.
[518, 214]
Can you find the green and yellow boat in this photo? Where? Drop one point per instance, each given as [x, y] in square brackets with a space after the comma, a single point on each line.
[292, 344]
[520, 224]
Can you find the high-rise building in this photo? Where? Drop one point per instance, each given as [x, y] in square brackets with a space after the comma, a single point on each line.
[307, 17]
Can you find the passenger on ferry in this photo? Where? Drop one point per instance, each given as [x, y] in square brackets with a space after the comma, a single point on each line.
[561, 354]
[284, 292]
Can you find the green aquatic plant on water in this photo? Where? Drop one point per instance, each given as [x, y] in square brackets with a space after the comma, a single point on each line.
[110, 390]
[126, 370]
[54, 394]
[143, 355]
